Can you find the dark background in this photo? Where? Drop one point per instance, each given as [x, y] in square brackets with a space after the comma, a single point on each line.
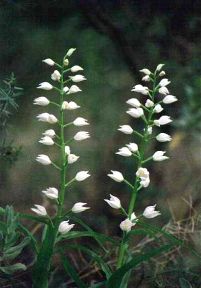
[114, 40]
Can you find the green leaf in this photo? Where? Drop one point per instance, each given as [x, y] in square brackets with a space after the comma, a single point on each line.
[98, 285]
[78, 234]
[14, 251]
[33, 241]
[184, 283]
[72, 272]
[117, 277]
[13, 268]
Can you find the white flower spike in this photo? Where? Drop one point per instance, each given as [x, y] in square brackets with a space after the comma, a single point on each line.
[163, 137]
[163, 120]
[149, 103]
[81, 135]
[41, 101]
[74, 89]
[114, 202]
[79, 207]
[72, 158]
[45, 86]
[135, 112]
[50, 133]
[150, 212]
[124, 151]
[164, 82]
[70, 52]
[46, 140]
[76, 68]
[134, 102]
[69, 105]
[79, 121]
[56, 76]
[159, 67]
[126, 225]
[39, 210]
[49, 62]
[46, 117]
[82, 175]
[67, 150]
[158, 108]
[65, 227]
[133, 147]
[77, 78]
[141, 89]
[51, 193]
[43, 159]
[145, 71]
[116, 176]
[159, 156]
[163, 90]
[169, 99]
[126, 129]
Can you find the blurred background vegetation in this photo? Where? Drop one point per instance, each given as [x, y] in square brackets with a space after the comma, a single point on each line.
[114, 40]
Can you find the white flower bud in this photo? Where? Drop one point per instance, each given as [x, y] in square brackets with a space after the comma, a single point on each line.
[135, 112]
[158, 108]
[163, 120]
[79, 121]
[143, 174]
[164, 82]
[82, 175]
[133, 147]
[163, 137]
[39, 210]
[126, 225]
[145, 71]
[79, 207]
[69, 105]
[159, 156]
[65, 89]
[49, 62]
[114, 202]
[76, 68]
[81, 135]
[126, 129]
[116, 176]
[169, 99]
[65, 227]
[67, 150]
[163, 91]
[77, 78]
[162, 73]
[50, 132]
[141, 89]
[158, 68]
[66, 62]
[46, 117]
[70, 52]
[146, 78]
[45, 86]
[150, 212]
[124, 151]
[41, 101]
[56, 76]
[74, 89]
[134, 102]
[46, 140]
[149, 103]
[43, 159]
[72, 158]
[51, 193]
[149, 130]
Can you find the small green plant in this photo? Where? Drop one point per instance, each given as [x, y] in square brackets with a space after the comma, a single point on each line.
[8, 94]
[12, 242]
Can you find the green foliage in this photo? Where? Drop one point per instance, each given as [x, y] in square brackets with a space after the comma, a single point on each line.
[8, 94]
[11, 242]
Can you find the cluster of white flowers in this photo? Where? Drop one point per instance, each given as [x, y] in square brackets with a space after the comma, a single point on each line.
[50, 137]
[147, 110]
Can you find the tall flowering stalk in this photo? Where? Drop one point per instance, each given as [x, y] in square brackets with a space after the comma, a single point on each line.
[58, 225]
[149, 111]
